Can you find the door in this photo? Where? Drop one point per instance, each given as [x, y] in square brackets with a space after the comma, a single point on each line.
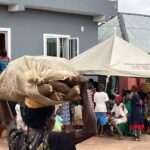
[2, 41]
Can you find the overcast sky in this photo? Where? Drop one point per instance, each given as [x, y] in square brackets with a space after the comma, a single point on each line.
[134, 6]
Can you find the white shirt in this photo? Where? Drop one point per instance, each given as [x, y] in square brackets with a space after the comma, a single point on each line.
[18, 117]
[100, 98]
[118, 110]
[19, 121]
[90, 98]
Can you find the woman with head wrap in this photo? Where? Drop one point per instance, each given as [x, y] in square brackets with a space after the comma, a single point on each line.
[118, 114]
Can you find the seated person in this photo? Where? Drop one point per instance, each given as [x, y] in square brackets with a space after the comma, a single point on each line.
[118, 114]
[40, 122]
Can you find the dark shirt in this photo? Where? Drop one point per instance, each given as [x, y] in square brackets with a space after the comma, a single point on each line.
[18, 140]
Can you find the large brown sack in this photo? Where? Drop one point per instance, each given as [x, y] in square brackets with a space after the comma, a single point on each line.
[23, 75]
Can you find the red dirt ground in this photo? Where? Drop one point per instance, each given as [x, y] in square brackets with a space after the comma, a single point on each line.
[105, 143]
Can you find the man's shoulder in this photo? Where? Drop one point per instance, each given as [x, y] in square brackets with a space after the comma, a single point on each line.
[102, 93]
[35, 137]
[62, 140]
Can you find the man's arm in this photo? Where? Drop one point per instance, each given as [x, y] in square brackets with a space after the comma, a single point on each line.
[89, 122]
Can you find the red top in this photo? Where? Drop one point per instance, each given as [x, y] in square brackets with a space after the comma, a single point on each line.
[5, 57]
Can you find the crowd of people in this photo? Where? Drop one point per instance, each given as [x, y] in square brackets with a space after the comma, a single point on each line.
[127, 113]
[66, 116]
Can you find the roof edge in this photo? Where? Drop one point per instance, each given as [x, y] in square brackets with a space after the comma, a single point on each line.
[85, 7]
[124, 13]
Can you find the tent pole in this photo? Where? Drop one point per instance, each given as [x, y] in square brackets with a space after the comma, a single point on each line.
[107, 80]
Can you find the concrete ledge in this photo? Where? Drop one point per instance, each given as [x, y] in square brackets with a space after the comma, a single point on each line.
[83, 7]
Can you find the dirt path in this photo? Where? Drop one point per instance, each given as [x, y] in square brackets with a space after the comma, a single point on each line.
[105, 143]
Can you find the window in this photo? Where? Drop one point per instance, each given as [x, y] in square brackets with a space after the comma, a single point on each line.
[73, 47]
[51, 46]
[61, 46]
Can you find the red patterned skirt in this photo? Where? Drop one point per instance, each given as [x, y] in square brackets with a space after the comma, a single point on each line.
[137, 126]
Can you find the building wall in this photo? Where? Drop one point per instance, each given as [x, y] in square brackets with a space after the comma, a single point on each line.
[127, 83]
[27, 29]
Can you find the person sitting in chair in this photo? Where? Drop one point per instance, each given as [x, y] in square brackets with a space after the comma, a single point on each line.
[118, 114]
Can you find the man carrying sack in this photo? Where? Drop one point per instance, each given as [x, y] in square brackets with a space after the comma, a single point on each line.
[38, 116]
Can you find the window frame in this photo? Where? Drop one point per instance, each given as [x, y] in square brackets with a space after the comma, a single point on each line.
[57, 36]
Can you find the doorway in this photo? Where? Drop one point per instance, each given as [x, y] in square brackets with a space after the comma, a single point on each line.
[5, 40]
[2, 41]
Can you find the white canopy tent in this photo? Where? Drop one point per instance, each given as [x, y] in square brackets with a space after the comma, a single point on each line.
[113, 57]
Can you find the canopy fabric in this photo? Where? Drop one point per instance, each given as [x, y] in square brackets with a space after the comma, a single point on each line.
[113, 57]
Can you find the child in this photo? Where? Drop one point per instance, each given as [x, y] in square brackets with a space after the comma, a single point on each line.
[58, 120]
[77, 115]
